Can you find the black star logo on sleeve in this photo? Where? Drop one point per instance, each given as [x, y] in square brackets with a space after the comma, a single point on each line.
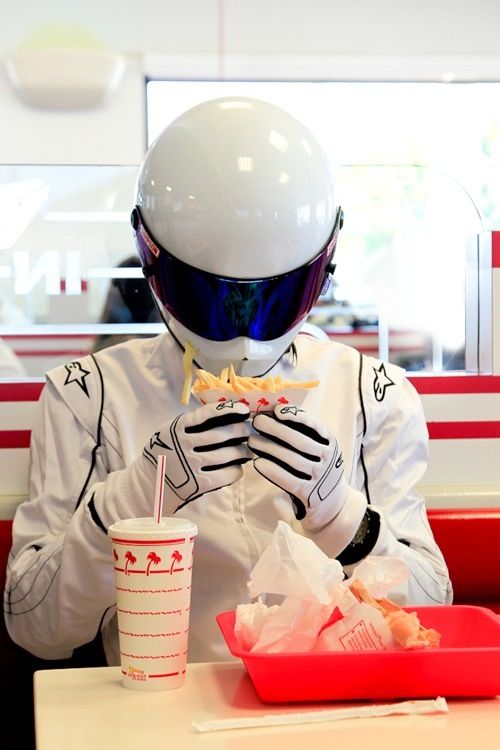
[77, 374]
[381, 383]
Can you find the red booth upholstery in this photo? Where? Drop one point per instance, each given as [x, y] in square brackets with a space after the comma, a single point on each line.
[470, 541]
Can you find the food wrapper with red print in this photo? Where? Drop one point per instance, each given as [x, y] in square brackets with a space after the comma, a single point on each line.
[310, 635]
[317, 610]
[257, 401]
[259, 394]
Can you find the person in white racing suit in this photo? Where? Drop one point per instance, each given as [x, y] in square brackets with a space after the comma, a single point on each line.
[236, 227]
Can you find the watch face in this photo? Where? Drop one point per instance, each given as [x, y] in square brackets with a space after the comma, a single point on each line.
[363, 541]
[362, 530]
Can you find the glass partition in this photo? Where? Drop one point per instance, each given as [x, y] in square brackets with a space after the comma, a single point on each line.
[70, 281]
[399, 287]
[69, 276]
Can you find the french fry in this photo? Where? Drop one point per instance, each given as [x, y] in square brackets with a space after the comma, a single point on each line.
[303, 384]
[229, 381]
[187, 363]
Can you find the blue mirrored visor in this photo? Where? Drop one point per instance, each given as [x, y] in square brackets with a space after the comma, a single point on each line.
[220, 308]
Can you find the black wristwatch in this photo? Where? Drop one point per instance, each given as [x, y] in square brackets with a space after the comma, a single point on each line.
[364, 539]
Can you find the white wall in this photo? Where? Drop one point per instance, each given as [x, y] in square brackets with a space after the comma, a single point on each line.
[235, 38]
[393, 27]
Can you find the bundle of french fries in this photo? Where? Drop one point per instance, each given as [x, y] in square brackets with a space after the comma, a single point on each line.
[229, 381]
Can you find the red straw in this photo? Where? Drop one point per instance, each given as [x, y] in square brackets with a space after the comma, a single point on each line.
[160, 488]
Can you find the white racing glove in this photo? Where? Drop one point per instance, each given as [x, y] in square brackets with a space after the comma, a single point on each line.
[296, 453]
[205, 449]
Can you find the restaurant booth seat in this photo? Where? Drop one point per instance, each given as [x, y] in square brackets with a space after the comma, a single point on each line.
[469, 539]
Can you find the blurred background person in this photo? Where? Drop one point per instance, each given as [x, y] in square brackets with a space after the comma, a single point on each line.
[128, 301]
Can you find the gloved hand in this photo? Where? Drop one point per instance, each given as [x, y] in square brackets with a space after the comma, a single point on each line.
[205, 449]
[296, 453]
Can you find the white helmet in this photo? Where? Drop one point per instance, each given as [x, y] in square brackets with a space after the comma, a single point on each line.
[236, 226]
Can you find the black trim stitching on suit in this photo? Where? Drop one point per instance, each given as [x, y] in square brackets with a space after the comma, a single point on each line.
[99, 629]
[365, 474]
[33, 564]
[360, 392]
[435, 580]
[98, 438]
[363, 413]
[30, 568]
[95, 515]
[438, 601]
[38, 571]
[149, 457]
[31, 609]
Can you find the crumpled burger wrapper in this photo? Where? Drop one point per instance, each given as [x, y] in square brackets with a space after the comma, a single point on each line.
[317, 610]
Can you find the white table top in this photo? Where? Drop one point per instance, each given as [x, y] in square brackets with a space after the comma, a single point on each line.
[89, 708]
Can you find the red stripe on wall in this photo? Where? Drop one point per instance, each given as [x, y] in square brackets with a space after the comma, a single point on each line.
[15, 438]
[21, 391]
[495, 249]
[51, 352]
[441, 384]
[57, 336]
[463, 430]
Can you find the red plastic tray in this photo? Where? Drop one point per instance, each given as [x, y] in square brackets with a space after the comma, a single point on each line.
[467, 663]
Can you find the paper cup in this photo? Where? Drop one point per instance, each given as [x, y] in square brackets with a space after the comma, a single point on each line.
[153, 565]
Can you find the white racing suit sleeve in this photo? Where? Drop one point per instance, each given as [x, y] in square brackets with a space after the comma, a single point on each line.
[394, 458]
[59, 581]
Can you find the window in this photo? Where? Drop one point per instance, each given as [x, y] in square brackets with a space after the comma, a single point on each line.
[417, 169]
[69, 281]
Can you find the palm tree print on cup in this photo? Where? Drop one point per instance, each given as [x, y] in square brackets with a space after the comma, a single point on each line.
[130, 559]
[176, 557]
[153, 559]
[115, 555]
